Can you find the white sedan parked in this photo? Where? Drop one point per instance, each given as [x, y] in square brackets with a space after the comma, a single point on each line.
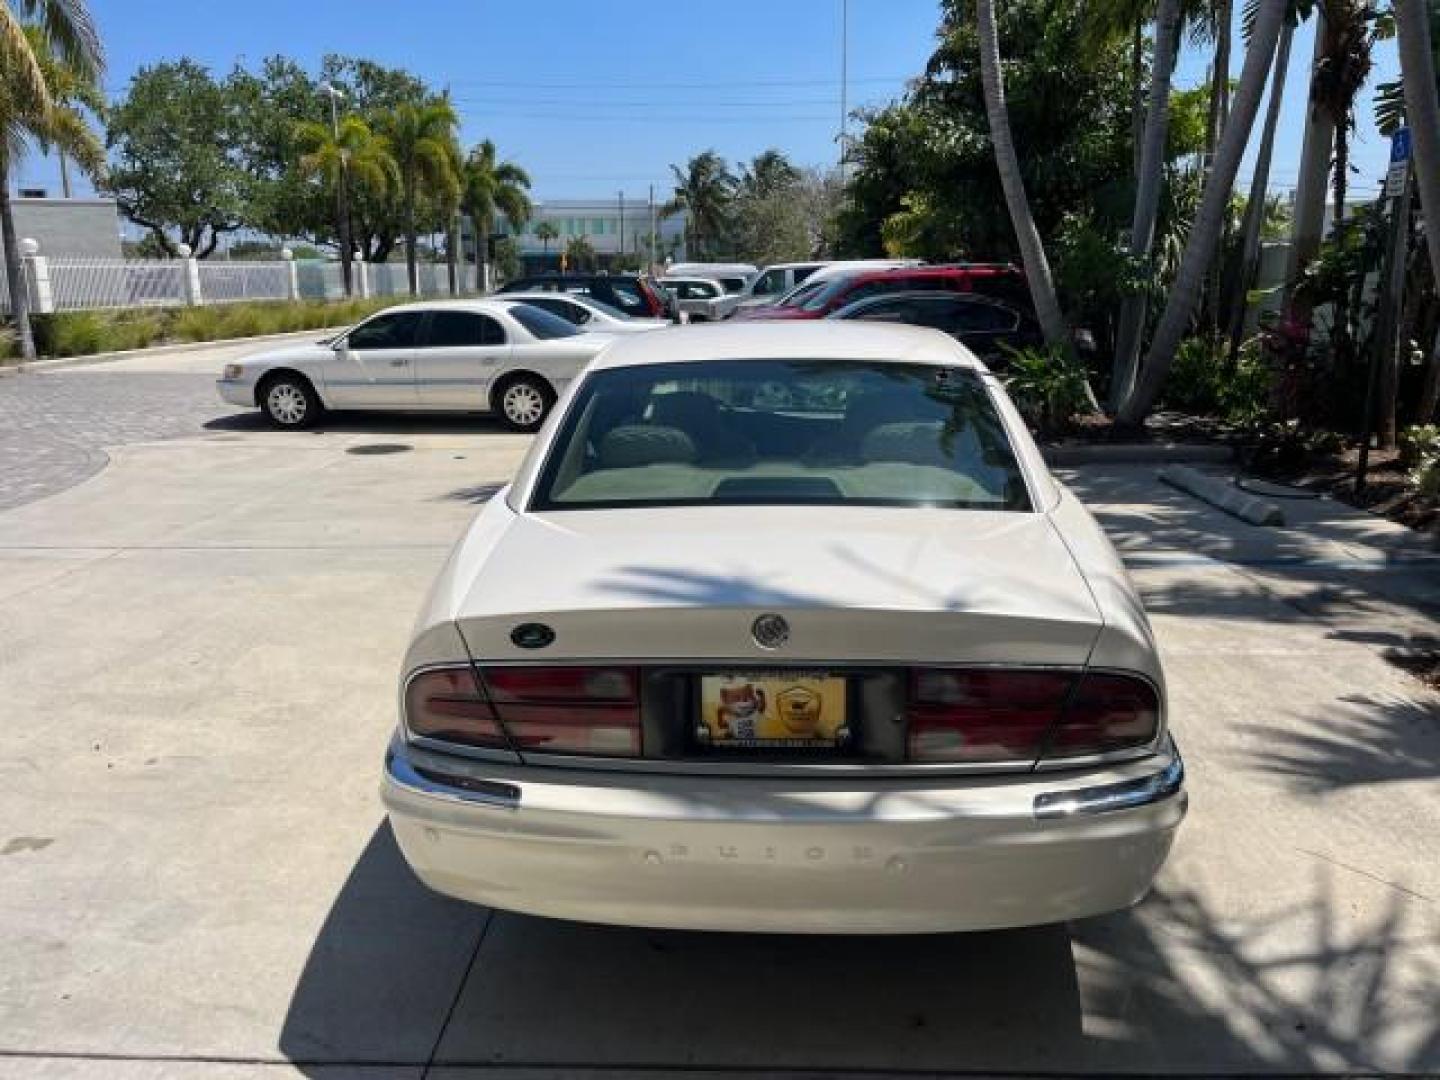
[786, 628]
[587, 313]
[496, 356]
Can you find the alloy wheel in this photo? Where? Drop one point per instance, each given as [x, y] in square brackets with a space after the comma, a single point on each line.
[287, 403]
[523, 404]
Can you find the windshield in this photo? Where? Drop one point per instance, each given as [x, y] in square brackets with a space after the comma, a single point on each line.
[542, 324]
[782, 432]
[606, 309]
[828, 291]
[797, 296]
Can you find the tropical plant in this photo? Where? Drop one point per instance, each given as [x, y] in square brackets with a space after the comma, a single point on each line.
[488, 184]
[545, 232]
[48, 67]
[704, 190]
[1418, 442]
[421, 138]
[345, 156]
[769, 173]
[1048, 385]
[1214, 205]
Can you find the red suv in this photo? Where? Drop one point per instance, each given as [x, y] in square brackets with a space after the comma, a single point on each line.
[995, 280]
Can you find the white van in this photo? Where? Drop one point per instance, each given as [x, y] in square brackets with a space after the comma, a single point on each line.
[775, 281]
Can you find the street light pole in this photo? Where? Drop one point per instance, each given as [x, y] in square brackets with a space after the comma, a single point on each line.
[844, 79]
[622, 225]
[342, 192]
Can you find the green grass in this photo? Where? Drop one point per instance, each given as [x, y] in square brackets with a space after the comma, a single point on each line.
[84, 333]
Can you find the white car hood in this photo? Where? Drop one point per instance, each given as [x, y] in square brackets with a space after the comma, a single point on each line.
[855, 583]
[290, 354]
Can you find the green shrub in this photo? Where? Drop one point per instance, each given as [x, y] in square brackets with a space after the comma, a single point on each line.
[1418, 443]
[1201, 381]
[1047, 385]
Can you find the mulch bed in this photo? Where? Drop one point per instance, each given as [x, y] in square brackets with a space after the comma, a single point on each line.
[1386, 491]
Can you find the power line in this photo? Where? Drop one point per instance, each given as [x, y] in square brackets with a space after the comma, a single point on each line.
[725, 84]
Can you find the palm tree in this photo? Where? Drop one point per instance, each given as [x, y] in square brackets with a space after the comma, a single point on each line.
[769, 173]
[54, 120]
[1149, 181]
[545, 232]
[1417, 68]
[1256, 204]
[421, 140]
[1032, 250]
[487, 185]
[344, 155]
[704, 189]
[46, 46]
[1210, 219]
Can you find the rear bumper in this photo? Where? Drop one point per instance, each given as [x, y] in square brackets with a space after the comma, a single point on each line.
[862, 855]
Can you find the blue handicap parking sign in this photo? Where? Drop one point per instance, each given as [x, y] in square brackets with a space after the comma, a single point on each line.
[1400, 145]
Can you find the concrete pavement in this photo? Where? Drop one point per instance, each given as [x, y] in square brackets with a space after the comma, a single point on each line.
[197, 669]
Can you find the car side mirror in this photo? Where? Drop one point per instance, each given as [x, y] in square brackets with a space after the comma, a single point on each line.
[339, 344]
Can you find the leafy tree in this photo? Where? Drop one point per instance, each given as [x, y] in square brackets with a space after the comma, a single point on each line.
[47, 70]
[422, 142]
[176, 142]
[488, 184]
[705, 189]
[348, 156]
[507, 259]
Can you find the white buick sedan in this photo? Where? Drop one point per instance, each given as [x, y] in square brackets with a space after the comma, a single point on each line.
[495, 356]
[785, 628]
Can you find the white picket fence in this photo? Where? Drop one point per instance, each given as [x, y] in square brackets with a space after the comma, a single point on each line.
[87, 284]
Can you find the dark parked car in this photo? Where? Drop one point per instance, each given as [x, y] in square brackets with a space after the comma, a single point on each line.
[988, 279]
[636, 295]
[979, 323]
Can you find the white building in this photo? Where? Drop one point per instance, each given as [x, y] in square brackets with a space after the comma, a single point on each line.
[610, 226]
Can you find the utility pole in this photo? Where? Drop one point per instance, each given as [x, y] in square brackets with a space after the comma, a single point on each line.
[844, 80]
[622, 224]
[654, 238]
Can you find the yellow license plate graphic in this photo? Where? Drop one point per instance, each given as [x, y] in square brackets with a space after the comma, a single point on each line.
[764, 710]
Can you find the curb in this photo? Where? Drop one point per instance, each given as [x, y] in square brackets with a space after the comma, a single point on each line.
[156, 350]
[1223, 496]
[1137, 453]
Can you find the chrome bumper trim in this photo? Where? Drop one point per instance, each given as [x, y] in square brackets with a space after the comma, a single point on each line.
[461, 789]
[1122, 796]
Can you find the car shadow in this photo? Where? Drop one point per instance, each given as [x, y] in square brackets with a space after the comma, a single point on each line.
[399, 976]
[374, 423]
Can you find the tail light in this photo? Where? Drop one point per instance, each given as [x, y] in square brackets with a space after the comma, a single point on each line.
[447, 704]
[979, 715]
[567, 710]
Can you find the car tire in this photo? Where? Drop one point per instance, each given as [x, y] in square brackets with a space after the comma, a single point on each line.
[289, 402]
[523, 402]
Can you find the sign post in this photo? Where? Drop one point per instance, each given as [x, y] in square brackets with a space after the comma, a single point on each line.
[1392, 277]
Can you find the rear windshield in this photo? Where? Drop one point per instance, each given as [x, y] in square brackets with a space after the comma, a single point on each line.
[542, 324]
[781, 432]
[797, 296]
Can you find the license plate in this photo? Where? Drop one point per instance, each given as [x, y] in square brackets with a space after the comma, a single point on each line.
[768, 711]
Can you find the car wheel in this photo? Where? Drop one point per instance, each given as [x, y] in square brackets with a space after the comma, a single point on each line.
[289, 402]
[524, 403]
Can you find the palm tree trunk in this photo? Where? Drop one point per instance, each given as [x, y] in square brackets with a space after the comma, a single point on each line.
[1341, 331]
[1255, 204]
[342, 215]
[412, 273]
[1205, 232]
[14, 269]
[1137, 97]
[1219, 80]
[1310, 188]
[1417, 67]
[452, 241]
[1032, 249]
[1147, 201]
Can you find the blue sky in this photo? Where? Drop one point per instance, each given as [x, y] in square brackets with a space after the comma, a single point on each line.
[593, 96]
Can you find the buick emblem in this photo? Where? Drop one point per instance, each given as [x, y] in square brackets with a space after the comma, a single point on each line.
[770, 631]
[532, 635]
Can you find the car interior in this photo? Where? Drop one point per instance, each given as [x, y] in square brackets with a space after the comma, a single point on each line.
[863, 437]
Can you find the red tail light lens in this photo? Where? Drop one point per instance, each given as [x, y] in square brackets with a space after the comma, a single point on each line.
[447, 704]
[1108, 712]
[977, 716]
[568, 710]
